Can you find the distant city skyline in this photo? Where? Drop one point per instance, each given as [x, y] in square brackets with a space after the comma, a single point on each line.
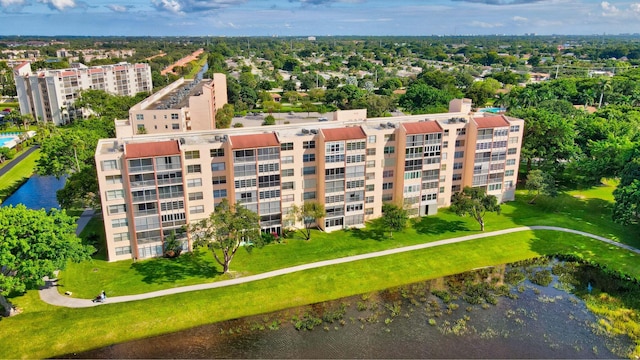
[317, 17]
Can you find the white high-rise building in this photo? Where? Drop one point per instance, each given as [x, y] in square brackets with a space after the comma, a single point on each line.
[49, 94]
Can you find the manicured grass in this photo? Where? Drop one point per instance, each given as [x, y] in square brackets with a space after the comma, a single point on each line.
[43, 330]
[198, 64]
[10, 181]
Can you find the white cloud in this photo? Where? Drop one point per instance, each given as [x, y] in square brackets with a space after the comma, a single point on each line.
[118, 8]
[520, 19]
[168, 5]
[194, 6]
[608, 9]
[7, 3]
[635, 7]
[59, 5]
[485, 25]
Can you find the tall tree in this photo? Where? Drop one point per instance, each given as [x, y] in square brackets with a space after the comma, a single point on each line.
[224, 116]
[33, 244]
[308, 214]
[225, 230]
[475, 202]
[394, 218]
[539, 182]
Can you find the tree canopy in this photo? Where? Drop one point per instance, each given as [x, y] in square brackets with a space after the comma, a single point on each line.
[33, 244]
[394, 218]
[225, 230]
[475, 202]
[308, 214]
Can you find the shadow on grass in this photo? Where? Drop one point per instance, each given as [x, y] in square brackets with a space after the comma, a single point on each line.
[373, 231]
[163, 270]
[437, 226]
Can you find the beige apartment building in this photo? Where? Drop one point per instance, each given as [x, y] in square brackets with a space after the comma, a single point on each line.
[152, 185]
[184, 105]
[49, 95]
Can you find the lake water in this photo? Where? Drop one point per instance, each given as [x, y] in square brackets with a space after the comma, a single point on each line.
[452, 317]
[37, 193]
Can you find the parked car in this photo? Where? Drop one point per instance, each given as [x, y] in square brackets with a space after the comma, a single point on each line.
[323, 119]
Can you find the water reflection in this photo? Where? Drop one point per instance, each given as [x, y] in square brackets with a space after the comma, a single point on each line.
[498, 312]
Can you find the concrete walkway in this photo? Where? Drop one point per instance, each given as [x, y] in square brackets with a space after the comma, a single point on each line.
[49, 293]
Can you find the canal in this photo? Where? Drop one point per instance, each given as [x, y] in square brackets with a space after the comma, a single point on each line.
[39, 192]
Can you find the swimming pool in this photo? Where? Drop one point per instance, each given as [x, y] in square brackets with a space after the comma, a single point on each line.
[493, 110]
[5, 139]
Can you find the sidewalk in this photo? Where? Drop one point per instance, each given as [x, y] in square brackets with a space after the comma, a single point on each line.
[49, 293]
[17, 160]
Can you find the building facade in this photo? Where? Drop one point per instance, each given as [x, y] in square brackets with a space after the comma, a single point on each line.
[183, 105]
[153, 185]
[49, 94]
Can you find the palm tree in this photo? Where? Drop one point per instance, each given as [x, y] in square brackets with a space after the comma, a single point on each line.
[605, 85]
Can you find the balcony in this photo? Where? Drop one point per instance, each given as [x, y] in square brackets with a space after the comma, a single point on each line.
[176, 180]
[144, 198]
[165, 167]
[144, 183]
[179, 194]
[139, 169]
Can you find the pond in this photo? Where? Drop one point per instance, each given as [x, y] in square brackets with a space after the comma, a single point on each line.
[37, 193]
[496, 312]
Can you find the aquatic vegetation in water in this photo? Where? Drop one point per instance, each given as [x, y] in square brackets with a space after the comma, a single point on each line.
[542, 278]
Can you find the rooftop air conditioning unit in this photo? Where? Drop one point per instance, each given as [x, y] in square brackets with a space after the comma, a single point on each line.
[314, 131]
[182, 141]
[305, 131]
[217, 138]
[383, 125]
[391, 125]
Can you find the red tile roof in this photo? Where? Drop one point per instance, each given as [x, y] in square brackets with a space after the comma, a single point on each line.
[491, 122]
[346, 133]
[158, 148]
[254, 141]
[424, 127]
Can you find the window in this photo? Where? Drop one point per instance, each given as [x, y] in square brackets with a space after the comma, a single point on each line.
[371, 164]
[196, 196]
[268, 167]
[387, 186]
[139, 116]
[269, 194]
[309, 170]
[287, 160]
[508, 173]
[124, 236]
[194, 169]
[457, 166]
[445, 144]
[370, 187]
[288, 198]
[441, 189]
[514, 128]
[198, 209]
[513, 140]
[287, 172]
[123, 250]
[194, 154]
[216, 152]
[114, 179]
[116, 223]
[309, 183]
[268, 181]
[115, 194]
[371, 151]
[334, 222]
[355, 159]
[446, 132]
[117, 209]
[389, 149]
[218, 180]
[334, 199]
[309, 144]
[390, 137]
[458, 155]
[219, 194]
[308, 157]
[194, 182]
[495, 187]
[369, 199]
[217, 166]
[512, 151]
[412, 175]
[455, 188]
[371, 139]
[244, 170]
[500, 132]
[174, 116]
[456, 177]
[309, 195]
[387, 197]
[461, 131]
[286, 146]
[355, 184]
[175, 126]
[511, 161]
[443, 167]
[109, 165]
[459, 143]
[389, 162]
[387, 173]
[289, 185]
[370, 176]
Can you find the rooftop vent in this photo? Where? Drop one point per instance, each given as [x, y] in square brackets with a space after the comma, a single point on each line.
[383, 125]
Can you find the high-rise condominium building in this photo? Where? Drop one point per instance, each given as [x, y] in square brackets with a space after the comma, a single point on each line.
[153, 185]
[49, 94]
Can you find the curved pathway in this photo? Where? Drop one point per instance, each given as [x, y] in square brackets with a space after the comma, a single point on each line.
[17, 160]
[49, 293]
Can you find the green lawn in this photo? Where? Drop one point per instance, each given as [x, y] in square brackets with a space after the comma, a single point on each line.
[15, 177]
[43, 330]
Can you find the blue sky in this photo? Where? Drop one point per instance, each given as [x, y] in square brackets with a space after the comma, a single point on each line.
[316, 17]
